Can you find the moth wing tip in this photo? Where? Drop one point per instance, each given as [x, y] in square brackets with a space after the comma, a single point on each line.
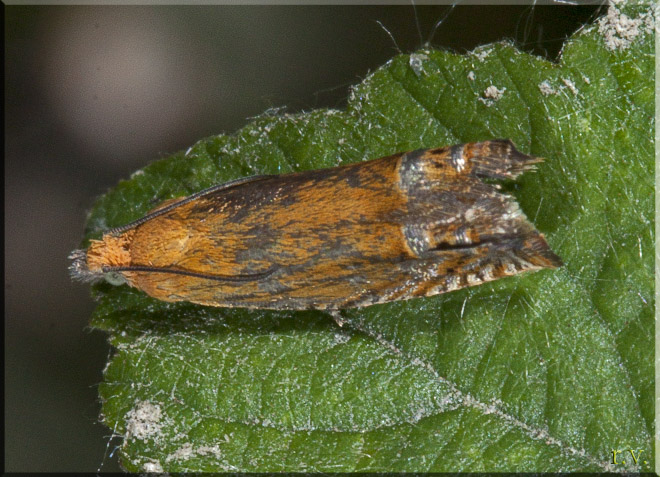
[543, 254]
[500, 159]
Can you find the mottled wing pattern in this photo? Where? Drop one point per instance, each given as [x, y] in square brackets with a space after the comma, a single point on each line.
[408, 225]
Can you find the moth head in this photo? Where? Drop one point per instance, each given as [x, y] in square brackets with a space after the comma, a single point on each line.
[101, 259]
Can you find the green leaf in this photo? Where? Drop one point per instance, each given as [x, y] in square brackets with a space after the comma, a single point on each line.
[545, 372]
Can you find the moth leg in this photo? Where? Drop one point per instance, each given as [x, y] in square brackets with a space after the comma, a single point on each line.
[336, 315]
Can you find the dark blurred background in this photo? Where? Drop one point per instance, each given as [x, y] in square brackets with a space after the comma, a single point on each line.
[94, 93]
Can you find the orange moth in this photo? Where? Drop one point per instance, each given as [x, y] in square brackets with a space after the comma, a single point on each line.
[409, 225]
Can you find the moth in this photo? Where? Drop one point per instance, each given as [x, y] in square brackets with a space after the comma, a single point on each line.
[413, 224]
